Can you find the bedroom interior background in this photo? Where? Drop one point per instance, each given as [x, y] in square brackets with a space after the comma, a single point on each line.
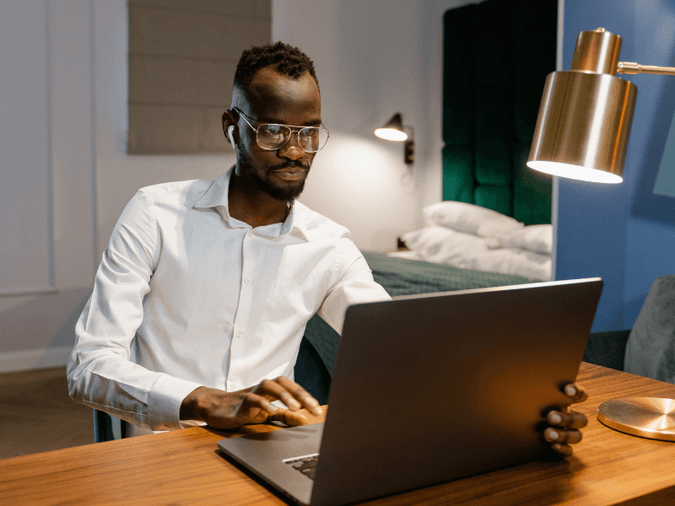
[87, 93]
[81, 131]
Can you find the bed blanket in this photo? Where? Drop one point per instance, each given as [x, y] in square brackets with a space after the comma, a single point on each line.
[406, 277]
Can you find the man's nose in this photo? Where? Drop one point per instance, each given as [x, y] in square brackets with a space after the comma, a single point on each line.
[292, 149]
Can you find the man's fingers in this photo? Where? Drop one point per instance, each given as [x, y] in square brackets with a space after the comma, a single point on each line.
[575, 392]
[562, 449]
[282, 415]
[290, 393]
[226, 410]
[295, 418]
[562, 436]
[564, 425]
[254, 409]
[272, 390]
[571, 420]
[305, 398]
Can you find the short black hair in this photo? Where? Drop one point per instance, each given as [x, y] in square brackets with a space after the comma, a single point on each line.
[286, 59]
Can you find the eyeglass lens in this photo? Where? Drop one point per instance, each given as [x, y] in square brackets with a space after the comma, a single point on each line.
[273, 136]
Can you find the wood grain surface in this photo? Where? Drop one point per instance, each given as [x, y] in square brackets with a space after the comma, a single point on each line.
[184, 467]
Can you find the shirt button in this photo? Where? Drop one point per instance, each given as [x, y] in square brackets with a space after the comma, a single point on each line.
[239, 334]
[247, 281]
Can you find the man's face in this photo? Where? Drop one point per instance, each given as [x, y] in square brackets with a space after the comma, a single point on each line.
[275, 98]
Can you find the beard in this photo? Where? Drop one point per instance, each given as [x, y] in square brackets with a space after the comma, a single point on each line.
[286, 192]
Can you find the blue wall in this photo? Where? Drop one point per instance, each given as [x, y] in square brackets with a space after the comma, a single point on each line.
[598, 233]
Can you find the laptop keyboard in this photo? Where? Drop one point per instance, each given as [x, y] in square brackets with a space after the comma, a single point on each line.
[305, 464]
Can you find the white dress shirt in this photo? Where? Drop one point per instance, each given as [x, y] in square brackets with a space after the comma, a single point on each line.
[187, 296]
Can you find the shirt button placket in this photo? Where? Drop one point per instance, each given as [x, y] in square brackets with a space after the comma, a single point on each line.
[238, 346]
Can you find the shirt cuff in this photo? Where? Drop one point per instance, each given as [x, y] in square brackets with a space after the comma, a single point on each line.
[165, 400]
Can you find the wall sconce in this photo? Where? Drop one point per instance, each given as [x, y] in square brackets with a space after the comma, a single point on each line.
[393, 130]
[586, 113]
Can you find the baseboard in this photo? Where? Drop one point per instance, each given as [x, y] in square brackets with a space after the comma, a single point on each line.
[26, 360]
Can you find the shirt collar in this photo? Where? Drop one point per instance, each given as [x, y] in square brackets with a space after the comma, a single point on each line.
[216, 197]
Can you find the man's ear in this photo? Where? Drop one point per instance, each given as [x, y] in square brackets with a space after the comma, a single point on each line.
[228, 127]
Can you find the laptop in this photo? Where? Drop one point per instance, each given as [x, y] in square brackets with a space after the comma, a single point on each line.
[431, 388]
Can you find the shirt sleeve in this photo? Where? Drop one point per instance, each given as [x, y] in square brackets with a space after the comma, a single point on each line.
[354, 284]
[100, 373]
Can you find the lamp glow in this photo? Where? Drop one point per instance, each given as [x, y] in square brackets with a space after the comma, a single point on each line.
[393, 131]
[391, 134]
[575, 172]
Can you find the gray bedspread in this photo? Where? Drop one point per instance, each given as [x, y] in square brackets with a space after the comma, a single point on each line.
[406, 277]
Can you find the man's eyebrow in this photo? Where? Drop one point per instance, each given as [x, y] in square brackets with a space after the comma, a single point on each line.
[315, 122]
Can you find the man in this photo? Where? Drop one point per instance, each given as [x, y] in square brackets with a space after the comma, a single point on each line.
[202, 296]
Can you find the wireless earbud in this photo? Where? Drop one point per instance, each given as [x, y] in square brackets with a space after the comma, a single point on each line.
[230, 136]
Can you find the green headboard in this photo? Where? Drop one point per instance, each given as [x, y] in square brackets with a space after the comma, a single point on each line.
[497, 55]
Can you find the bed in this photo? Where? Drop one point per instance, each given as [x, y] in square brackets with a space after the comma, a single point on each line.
[473, 237]
[461, 246]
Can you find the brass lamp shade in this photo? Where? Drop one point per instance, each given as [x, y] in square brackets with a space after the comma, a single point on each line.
[586, 114]
[583, 126]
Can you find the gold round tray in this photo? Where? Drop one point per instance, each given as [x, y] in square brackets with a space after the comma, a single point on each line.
[650, 417]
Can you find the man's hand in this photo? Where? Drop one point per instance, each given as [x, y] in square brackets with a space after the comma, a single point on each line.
[227, 410]
[300, 417]
[565, 426]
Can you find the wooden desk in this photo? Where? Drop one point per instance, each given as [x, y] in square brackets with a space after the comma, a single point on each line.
[183, 467]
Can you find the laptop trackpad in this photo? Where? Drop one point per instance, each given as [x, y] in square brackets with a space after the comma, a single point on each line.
[267, 454]
[286, 443]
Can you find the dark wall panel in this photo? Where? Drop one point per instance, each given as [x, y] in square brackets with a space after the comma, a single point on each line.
[496, 58]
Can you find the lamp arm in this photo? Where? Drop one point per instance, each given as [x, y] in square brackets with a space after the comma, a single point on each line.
[636, 68]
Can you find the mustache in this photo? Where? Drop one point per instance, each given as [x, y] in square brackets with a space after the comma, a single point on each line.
[290, 164]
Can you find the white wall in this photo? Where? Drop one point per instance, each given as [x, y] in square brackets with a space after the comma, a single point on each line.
[92, 178]
[373, 58]
[32, 325]
[118, 174]
[24, 141]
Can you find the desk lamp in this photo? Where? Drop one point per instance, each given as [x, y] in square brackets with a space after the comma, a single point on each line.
[582, 133]
[393, 130]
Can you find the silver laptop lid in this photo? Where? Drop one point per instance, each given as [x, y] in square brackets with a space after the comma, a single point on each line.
[432, 388]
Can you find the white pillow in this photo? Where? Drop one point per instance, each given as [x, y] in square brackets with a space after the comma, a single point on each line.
[537, 238]
[445, 246]
[405, 254]
[515, 262]
[469, 218]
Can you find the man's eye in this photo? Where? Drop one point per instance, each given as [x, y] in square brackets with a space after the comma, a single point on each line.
[272, 129]
[309, 133]
[272, 132]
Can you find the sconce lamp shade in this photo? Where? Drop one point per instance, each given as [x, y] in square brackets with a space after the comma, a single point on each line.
[585, 115]
[393, 129]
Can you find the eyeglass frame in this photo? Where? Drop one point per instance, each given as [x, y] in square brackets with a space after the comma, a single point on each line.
[293, 128]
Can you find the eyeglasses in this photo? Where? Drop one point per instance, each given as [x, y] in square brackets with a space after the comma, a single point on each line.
[273, 136]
